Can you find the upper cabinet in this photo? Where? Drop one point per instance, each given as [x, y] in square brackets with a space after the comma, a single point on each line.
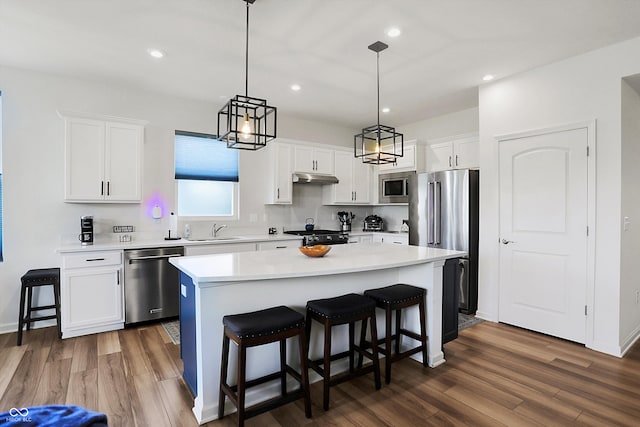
[411, 160]
[456, 153]
[355, 181]
[103, 158]
[279, 173]
[313, 160]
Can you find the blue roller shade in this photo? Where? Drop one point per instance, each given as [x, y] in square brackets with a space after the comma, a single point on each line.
[202, 157]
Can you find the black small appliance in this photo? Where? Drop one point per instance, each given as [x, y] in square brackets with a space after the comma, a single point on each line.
[86, 230]
[373, 223]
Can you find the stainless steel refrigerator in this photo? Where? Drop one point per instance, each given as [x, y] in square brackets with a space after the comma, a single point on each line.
[443, 213]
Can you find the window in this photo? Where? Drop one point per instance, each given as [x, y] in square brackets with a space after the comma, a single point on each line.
[206, 173]
[1, 258]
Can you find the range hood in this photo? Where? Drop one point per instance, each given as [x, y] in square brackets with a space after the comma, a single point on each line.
[314, 178]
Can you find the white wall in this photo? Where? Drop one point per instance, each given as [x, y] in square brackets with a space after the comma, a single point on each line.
[630, 244]
[458, 123]
[574, 90]
[36, 220]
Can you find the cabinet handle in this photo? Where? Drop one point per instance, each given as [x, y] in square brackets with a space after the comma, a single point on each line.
[281, 247]
[108, 191]
[118, 277]
[102, 188]
[456, 160]
[278, 196]
[449, 161]
[94, 259]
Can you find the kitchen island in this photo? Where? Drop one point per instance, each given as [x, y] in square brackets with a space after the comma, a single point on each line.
[213, 286]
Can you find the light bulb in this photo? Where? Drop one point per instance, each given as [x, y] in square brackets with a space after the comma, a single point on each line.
[245, 129]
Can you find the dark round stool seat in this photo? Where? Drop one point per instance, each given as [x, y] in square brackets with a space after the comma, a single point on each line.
[263, 322]
[345, 306]
[395, 298]
[396, 294]
[33, 279]
[275, 324]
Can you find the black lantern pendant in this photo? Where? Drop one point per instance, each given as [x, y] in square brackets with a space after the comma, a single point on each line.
[378, 144]
[247, 123]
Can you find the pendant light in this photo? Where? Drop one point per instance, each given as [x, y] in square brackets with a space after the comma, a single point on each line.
[378, 144]
[245, 122]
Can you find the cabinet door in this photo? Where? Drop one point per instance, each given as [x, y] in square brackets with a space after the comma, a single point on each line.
[343, 191]
[84, 159]
[283, 188]
[219, 248]
[324, 161]
[361, 180]
[91, 297]
[465, 154]
[405, 163]
[303, 159]
[123, 162]
[440, 157]
[366, 238]
[279, 244]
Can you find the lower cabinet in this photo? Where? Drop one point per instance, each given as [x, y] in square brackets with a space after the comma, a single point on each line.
[92, 293]
[279, 244]
[394, 238]
[223, 248]
[450, 299]
[188, 332]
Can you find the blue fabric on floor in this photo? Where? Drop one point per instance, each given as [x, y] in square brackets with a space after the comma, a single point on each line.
[53, 415]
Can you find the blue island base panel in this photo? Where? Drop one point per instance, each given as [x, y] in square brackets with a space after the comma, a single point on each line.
[188, 332]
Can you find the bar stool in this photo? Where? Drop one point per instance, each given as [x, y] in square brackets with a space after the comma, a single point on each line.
[30, 280]
[258, 328]
[395, 298]
[341, 310]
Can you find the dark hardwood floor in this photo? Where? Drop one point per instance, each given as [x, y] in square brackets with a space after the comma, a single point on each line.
[495, 375]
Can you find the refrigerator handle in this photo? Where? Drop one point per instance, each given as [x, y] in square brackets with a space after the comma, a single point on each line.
[436, 213]
[430, 213]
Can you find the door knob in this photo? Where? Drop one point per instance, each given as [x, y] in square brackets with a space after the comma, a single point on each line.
[506, 242]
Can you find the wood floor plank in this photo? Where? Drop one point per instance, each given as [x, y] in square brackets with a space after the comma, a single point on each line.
[136, 360]
[10, 358]
[61, 349]
[83, 389]
[108, 342]
[53, 384]
[24, 383]
[113, 393]
[162, 364]
[178, 402]
[85, 353]
[146, 401]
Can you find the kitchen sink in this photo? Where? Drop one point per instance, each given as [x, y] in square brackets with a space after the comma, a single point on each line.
[215, 239]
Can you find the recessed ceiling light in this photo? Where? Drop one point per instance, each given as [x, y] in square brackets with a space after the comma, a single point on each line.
[385, 109]
[394, 32]
[488, 77]
[156, 53]
[295, 87]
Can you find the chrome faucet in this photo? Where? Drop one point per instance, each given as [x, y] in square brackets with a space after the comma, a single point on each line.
[214, 229]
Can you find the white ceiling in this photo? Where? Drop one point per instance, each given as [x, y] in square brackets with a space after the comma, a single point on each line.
[432, 68]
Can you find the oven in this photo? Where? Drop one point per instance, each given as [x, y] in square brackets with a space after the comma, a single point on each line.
[320, 237]
[394, 187]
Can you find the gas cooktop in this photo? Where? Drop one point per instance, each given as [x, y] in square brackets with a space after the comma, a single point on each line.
[312, 232]
[321, 237]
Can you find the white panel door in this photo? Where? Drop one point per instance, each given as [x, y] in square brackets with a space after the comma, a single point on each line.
[84, 156]
[123, 162]
[543, 232]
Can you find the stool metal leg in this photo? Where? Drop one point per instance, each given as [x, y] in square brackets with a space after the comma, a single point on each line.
[21, 318]
[223, 375]
[327, 364]
[304, 373]
[283, 367]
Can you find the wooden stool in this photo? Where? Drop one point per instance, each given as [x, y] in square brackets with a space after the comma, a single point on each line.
[397, 297]
[341, 310]
[258, 328]
[32, 279]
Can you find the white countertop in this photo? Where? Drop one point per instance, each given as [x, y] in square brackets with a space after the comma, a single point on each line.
[290, 262]
[160, 243]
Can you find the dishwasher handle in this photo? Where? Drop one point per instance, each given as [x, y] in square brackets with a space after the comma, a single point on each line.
[144, 258]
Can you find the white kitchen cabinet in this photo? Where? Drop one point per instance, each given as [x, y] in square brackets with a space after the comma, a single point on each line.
[279, 244]
[103, 158]
[458, 153]
[392, 238]
[91, 293]
[411, 160]
[219, 248]
[278, 177]
[355, 181]
[361, 238]
[313, 160]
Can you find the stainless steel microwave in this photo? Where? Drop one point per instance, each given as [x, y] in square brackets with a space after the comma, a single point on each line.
[394, 187]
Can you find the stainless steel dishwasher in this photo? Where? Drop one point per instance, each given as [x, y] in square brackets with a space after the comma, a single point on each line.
[151, 284]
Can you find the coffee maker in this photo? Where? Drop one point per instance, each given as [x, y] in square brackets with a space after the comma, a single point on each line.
[86, 230]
